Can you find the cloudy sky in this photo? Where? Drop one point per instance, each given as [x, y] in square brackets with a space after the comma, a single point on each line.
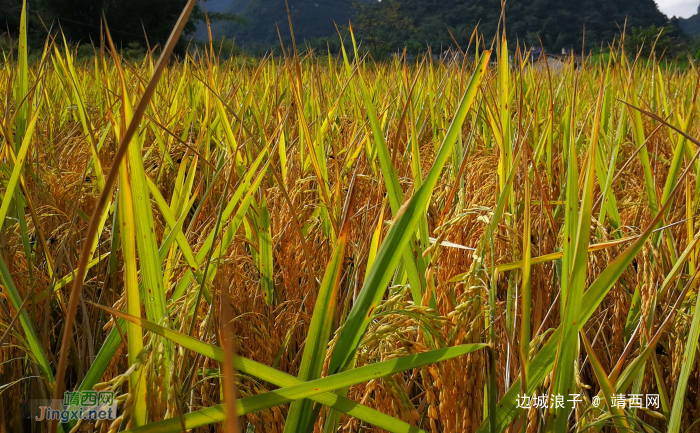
[681, 8]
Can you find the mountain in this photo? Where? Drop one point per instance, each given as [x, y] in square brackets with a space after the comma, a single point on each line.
[691, 25]
[223, 5]
[310, 19]
[215, 6]
[558, 23]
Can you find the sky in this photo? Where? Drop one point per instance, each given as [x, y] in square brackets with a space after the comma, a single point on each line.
[679, 8]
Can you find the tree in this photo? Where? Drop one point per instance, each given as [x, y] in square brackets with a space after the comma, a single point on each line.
[10, 12]
[380, 24]
[653, 40]
[129, 21]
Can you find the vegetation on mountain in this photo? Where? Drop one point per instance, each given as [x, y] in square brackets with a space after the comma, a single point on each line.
[133, 24]
[419, 24]
[691, 25]
[267, 20]
[381, 27]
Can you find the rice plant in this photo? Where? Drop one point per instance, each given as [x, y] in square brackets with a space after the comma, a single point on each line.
[307, 243]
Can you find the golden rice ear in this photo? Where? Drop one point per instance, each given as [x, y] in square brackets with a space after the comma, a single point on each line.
[155, 298]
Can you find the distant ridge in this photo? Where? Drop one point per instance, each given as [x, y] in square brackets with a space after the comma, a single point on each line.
[691, 25]
[559, 23]
[310, 19]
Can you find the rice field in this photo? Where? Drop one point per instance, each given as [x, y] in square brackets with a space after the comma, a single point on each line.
[307, 242]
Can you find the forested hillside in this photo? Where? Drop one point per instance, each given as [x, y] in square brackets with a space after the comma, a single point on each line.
[559, 23]
[384, 26]
[310, 18]
[691, 25]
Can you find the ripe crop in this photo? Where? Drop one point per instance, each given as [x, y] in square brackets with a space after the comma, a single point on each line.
[328, 242]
